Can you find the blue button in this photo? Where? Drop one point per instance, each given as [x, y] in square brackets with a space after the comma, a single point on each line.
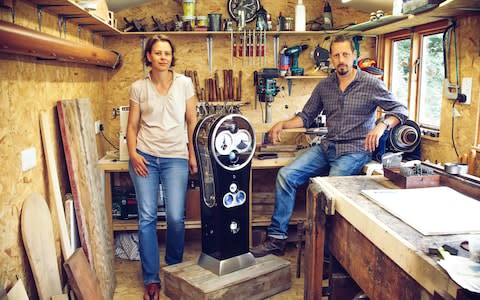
[227, 200]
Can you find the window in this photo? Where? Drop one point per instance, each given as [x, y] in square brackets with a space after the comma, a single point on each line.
[415, 71]
[401, 69]
[431, 80]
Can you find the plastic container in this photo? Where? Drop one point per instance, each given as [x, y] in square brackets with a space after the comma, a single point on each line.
[300, 16]
[189, 7]
[188, 23]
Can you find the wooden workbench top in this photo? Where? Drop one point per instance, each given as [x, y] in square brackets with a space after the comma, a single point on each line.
[110, 163]
[403, 244]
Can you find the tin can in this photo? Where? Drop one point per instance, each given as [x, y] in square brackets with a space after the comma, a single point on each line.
[189, 7]
[202, 21]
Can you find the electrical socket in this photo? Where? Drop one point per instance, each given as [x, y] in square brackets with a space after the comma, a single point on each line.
[467, 89]
[98, 126]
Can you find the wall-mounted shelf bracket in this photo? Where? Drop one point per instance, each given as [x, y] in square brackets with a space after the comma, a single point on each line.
[210, 52]
[276, 49]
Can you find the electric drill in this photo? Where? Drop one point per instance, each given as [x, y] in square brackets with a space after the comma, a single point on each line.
[294, 53]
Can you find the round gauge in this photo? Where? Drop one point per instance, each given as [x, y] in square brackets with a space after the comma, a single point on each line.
[224, 142]
[242, 140]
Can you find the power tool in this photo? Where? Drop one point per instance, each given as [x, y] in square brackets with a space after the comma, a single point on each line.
[294, 53]
[266, 88]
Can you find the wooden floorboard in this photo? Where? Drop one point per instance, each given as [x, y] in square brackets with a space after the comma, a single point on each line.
[129, 278]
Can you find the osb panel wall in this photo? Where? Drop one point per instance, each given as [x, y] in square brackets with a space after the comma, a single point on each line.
[466, 126]
[27, 87]
[191, 54]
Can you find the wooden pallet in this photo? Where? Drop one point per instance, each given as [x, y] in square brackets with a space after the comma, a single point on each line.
[269, 276]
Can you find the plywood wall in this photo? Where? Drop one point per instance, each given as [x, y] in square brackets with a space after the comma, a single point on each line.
[191, 53]
[28, 86]
[466, 125]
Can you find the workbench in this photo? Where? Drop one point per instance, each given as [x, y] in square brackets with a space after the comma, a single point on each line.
[383, 255]
[261, 204]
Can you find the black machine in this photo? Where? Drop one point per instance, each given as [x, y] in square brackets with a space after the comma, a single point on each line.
[224, 148]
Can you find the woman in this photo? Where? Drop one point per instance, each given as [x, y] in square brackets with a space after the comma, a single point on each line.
[161, 104]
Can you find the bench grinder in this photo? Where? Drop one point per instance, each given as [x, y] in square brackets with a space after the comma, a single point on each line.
[224, 148]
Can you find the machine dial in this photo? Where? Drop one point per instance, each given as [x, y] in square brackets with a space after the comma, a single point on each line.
[242, 140]
[224, 142]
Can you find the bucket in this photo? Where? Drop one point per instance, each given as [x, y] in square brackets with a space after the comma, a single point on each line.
[189, 7]
[215, 22]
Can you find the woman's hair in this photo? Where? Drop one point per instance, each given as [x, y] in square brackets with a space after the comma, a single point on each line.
[149, 45]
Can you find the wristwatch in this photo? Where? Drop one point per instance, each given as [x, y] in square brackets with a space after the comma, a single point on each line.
[386, 123]
[250, 7]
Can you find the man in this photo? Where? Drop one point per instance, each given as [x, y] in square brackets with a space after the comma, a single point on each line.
[349, 98]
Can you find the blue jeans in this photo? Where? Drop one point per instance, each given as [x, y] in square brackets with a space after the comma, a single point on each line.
[313, 162]
[173, 174]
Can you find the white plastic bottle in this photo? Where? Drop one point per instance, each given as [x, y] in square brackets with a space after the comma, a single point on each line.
[300, 16]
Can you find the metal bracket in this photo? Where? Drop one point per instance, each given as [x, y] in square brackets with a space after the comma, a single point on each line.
[276, 49]
[62, 25]
[142, 46]
[79, 31]
[39, 17]
[12, 10]
[210, 52]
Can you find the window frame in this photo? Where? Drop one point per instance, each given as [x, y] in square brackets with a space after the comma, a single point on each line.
[416, 35]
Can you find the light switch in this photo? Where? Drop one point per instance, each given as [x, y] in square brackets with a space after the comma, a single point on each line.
[28, 159]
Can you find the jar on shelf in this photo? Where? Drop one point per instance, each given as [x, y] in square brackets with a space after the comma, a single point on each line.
[189, 7]
[202, 23]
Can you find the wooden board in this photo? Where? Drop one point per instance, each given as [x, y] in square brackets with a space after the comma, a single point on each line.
[37, 234]
[17, 292]
[78, 135]
[81, 277]
[431, 211]
[53, 179]
[269, 276]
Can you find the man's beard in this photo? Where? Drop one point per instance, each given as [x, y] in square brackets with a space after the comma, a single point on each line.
[342, 69]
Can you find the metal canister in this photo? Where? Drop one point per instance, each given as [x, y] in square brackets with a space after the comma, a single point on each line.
[228, 25]
[288, 23]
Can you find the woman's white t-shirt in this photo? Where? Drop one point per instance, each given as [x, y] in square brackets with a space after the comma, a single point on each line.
[163, 130]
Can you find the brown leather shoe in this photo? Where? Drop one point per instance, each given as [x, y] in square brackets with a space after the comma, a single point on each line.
[269, 246]
[152, 291]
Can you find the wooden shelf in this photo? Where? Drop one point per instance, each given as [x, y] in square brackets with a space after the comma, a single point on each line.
[228, 33]
[132, 225]
[77, 15]
[449, 8]
[307, 77]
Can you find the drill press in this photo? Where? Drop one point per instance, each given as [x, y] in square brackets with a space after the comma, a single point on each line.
[266, 89]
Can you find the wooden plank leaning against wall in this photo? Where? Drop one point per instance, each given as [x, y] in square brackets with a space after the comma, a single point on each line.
[28, 86]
